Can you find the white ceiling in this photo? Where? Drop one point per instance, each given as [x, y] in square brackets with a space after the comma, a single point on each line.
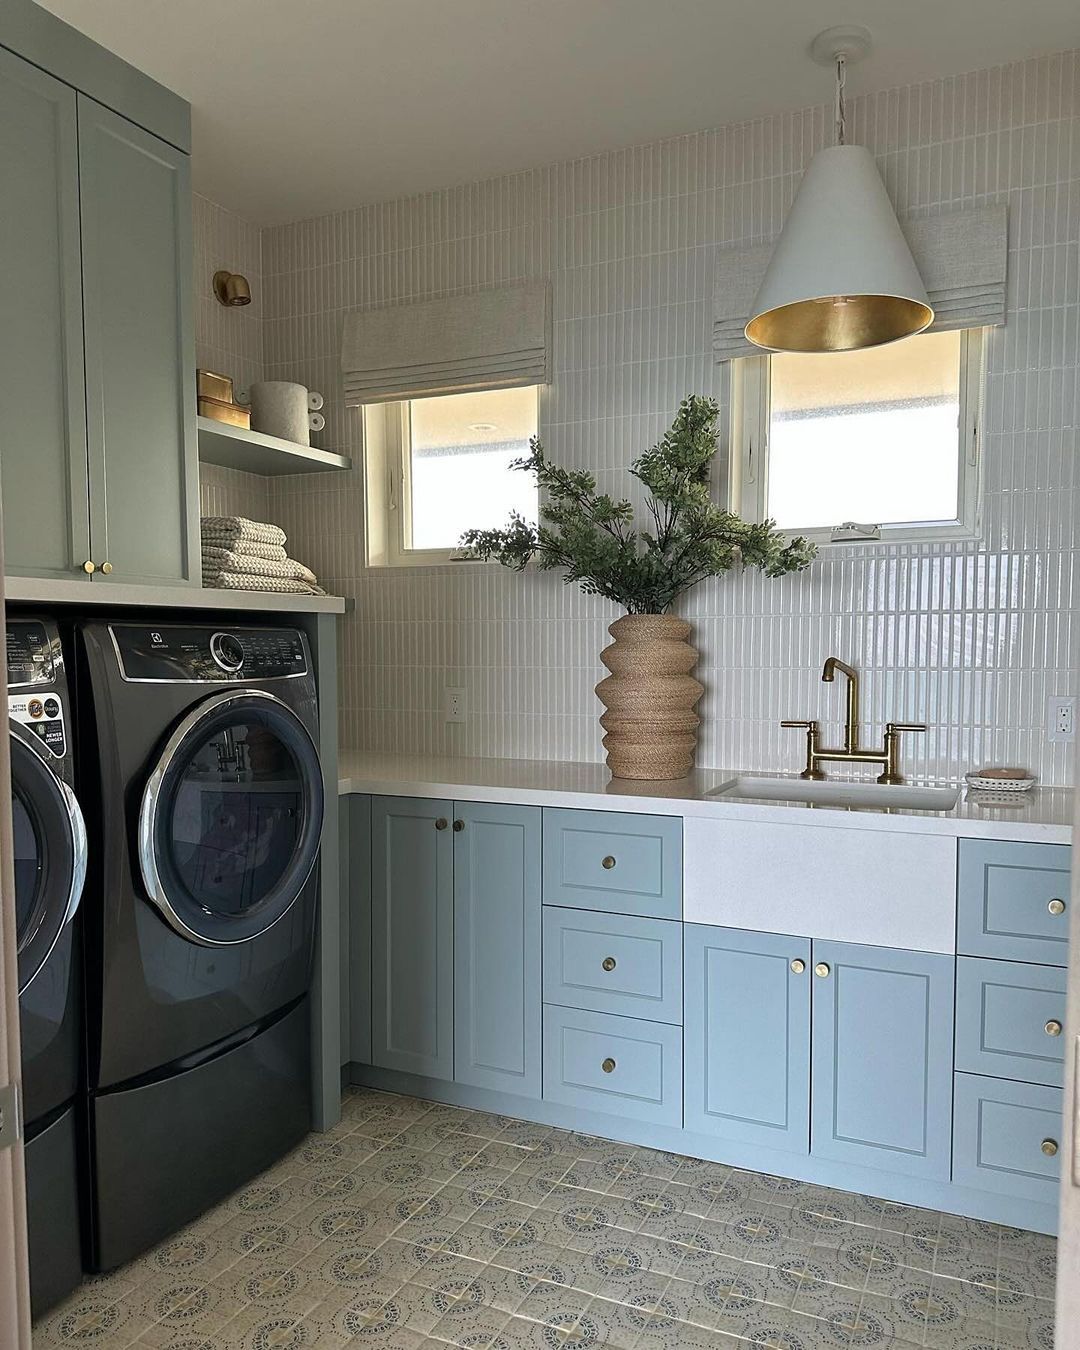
[308, 106]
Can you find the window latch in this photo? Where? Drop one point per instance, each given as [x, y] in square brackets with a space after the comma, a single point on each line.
[851, 529]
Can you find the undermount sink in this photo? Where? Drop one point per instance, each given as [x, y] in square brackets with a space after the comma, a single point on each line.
[837, 792]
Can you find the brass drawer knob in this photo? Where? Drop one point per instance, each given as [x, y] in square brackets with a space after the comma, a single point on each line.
[797, 966]
[89, 567]
[1049, 1147]
[1053, 1027]
[822, 970]
[608, 1065]
[608, 963]
[441, 823]
[608, 863]
[106, 567]
[459, 825]
[1056, 906]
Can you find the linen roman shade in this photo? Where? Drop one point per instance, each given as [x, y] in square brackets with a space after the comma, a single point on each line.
[490, 339]
[960, 255]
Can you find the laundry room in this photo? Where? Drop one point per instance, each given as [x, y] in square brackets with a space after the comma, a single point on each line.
[541, 605]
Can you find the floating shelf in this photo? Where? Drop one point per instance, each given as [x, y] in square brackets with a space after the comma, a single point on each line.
[254, 452]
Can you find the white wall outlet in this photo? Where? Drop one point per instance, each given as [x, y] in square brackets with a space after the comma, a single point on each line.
[1060, 718]
[454, 704]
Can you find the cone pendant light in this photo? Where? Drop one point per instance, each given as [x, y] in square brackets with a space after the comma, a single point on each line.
[841, 276]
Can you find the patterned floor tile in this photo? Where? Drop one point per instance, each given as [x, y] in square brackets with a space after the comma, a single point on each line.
[414, 1226]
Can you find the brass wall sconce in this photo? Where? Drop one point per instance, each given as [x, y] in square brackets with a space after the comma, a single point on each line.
[231, 288]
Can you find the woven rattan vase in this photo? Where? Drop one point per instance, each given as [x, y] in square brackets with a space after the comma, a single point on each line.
[650, 695]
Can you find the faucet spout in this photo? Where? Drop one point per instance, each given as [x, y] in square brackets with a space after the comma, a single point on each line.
[851, 726]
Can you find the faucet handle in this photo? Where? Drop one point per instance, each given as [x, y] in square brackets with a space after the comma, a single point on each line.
[906, 726]
[807, 726]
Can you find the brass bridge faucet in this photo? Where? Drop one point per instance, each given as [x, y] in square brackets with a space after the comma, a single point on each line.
[852, 753]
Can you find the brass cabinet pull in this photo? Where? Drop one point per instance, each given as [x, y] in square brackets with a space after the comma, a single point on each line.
[1049, 1147]
[459, 825]
[1056, 906]
[89, 567]
[441, 823]
[1053, 1027]
[608, 863]
[608, 963]
[822, 970]
[797, 966]
[608, 1065]
[106, 567]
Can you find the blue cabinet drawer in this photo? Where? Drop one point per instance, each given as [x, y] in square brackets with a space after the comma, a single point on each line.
[620, 1065]
[613, 963]
[1006, 1137]
[1012, 901]
[1009, 1020]
[614, 861]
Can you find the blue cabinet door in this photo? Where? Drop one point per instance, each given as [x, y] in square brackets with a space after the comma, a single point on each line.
[882, 1061]
[497, 928]
[412, 936]
[747, 1036]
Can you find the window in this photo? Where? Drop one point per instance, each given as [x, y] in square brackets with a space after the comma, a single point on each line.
[877, 444]
[439, 466]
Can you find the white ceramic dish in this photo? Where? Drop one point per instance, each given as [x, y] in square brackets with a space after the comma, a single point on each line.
[999, 786]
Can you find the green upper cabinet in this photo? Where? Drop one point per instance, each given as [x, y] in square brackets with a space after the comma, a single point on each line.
[42, 403]
[98, 460]
[135, 197]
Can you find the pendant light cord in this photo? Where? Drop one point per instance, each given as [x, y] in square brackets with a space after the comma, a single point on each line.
[841, 109]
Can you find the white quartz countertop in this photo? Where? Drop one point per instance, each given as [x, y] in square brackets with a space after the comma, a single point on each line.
[1044, 816]
[44, 591]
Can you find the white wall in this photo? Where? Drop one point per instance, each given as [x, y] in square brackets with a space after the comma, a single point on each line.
[970, 638]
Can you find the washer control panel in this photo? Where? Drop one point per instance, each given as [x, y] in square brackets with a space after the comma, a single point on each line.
[43, 716]
[179, 653]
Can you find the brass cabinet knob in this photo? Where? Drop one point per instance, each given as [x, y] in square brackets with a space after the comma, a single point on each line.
[797, 966]
[608, 1065]
[106, 567]
[89, 567]
[1053, 1027]
[441, 823]
[608, 963]
[1056, 906]
[608, 863]
[821, 969]
[1049, 1147]
[459, 825]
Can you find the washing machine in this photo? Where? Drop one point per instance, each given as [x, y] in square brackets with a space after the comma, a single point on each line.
[200, 916]
[50, 863]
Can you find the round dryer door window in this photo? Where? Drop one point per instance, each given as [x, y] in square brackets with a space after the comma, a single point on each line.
[49, 856]
[231, 818]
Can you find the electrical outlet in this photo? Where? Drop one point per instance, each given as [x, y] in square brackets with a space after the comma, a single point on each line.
[1060, 718]
[454, 704]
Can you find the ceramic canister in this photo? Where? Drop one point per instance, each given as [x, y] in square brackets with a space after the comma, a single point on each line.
[280, 408]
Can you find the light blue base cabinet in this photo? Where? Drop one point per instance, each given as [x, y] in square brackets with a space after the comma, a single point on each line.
[497, 906]
[747, 1031]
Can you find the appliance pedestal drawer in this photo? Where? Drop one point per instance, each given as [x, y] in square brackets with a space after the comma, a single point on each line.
[1006, 1137]
[620, 1065]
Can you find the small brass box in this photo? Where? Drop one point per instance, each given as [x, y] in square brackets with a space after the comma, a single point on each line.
[211, 385]
[231, 413]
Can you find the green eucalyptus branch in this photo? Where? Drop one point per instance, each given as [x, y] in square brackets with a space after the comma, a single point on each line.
[590, 535]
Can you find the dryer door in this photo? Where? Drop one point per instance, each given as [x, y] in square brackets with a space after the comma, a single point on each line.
[50, 854]
[231, 818]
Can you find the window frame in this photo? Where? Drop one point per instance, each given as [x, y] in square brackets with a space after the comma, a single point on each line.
[748, 479]
[388, 489]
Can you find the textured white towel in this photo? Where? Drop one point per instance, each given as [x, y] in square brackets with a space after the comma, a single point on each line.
[247, 548]
[217, 560]
[235, 581]
[216, 529]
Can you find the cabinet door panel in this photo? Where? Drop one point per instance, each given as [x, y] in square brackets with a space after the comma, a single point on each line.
[882, 1058]
[747, 1036]
[497, 909]
[42, 396]
[135, 195]
[412, 937]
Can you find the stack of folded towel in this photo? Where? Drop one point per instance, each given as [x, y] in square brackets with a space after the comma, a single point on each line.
[246, 555]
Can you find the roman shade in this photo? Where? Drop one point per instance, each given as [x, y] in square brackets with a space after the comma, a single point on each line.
[960, 255]
[490, 339]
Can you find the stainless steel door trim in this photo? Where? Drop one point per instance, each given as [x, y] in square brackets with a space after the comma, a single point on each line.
[151, 802]
[187, 679]
[77, 828]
